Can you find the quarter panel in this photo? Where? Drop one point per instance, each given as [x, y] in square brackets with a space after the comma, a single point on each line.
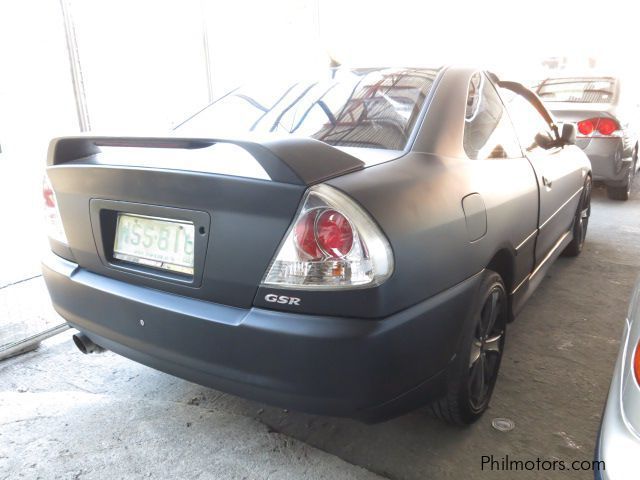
[510, 192]
[606, 156]
[417, 202]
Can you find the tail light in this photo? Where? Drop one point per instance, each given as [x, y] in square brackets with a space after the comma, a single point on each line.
[636, 363]
[53, 222]
[586, 127]
[604, 126]
[333, 243]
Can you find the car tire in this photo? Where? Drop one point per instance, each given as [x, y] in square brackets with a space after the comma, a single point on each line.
[581, 222]
[622, 192]
[474, 371]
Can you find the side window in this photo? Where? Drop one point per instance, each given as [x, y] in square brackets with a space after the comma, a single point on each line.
[488, 132]
[532, 129]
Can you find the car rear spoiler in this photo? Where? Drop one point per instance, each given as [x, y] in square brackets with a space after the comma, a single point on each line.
[300, 161]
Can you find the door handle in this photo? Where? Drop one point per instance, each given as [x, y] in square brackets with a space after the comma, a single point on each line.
[546, 182]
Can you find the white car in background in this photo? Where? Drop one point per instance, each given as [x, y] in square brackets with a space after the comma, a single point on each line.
[607, 117]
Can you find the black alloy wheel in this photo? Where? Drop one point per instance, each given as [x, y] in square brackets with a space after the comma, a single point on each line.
[473, 373]
[486, 350]
[581, 222]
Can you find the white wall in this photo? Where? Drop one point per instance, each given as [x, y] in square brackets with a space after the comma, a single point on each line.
[36, 94]
[253, 41]
[143, 62]
[505, 35]
[36, 103]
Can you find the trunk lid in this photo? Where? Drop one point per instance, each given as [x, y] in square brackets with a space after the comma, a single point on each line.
[241, 203]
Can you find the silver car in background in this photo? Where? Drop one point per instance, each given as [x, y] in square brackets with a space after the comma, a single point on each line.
[618, 444]
[608, 120]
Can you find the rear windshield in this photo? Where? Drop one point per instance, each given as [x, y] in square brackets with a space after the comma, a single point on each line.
[372, 109]
[586, 90]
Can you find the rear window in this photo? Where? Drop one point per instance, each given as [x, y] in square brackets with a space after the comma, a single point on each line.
[372, 109]
[572, 90]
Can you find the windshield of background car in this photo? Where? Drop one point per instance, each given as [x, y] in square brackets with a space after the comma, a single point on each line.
[359, 108]
[573, 90]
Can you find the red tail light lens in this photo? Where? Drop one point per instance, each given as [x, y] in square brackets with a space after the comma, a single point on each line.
[305, 235]
[47, 193]
[586, 127]
[604, 126]
[332, 244]
[324, 233]
[636, 363]
[335, 235]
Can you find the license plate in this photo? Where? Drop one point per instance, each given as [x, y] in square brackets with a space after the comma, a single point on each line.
[155, 242]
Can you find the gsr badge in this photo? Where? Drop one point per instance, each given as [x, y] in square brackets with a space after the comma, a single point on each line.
[273, 298]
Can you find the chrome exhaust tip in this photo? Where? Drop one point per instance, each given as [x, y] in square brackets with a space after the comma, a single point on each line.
[85, 344]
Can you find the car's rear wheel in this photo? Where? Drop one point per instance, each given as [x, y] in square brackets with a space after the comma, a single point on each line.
[474, 372]
[581, 222]
[623, 192]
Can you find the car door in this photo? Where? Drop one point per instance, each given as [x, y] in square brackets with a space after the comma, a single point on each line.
[502, 179]
[559, 181]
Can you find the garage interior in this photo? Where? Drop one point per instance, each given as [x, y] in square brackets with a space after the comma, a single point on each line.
[126, 68]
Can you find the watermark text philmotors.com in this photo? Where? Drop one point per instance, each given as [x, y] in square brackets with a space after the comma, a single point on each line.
[510, 464]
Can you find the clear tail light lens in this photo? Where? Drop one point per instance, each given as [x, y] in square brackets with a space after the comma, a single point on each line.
[604, 126]
[333, 243]
[52, 219]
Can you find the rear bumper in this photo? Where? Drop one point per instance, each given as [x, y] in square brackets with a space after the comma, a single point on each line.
[361, 368]
[608, 162]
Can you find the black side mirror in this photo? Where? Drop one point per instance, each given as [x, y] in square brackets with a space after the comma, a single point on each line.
[568, 134]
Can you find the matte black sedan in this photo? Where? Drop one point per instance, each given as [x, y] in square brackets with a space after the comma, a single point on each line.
[608, 121]
[364, 266]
